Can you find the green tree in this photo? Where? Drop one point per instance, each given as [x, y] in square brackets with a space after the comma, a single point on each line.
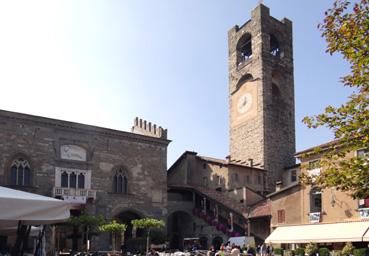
[346, 30]
[113, 228]
[149, 224]
[88, 223]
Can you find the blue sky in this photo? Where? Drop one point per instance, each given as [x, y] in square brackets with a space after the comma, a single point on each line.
[105, 62]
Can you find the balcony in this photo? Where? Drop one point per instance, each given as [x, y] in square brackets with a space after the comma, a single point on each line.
[364, 212]
[314, 217]
[74, 195]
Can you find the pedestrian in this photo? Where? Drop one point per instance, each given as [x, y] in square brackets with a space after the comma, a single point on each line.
[152, 252]
[211, 251]
[258, 252]
[235, 251]
[263, 250]
[221, 251]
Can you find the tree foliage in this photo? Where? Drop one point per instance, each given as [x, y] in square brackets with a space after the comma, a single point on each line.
[148, 223]
[346, 30]
[113, 227]
[86, 220]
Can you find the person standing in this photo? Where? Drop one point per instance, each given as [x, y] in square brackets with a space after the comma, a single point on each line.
[235, 251]
[263, 250]
[211, 251]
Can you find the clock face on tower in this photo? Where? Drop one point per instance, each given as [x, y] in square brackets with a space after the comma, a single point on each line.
[244, 103]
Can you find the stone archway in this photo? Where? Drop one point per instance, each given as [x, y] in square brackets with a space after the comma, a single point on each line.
[125, 217]
[179, 226]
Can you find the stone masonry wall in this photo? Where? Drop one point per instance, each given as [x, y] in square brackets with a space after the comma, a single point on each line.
[269, 137]
[38, 140]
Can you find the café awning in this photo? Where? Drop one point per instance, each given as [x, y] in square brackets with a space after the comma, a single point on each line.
[321, 233]
[31, 209]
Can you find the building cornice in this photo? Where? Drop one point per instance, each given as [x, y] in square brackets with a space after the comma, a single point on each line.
[79, 127]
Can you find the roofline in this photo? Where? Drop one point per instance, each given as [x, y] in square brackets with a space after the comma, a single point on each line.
[323, 146]
[180, 158]
[228, 163]
[62, 124]
[292, 167]
[283, 189]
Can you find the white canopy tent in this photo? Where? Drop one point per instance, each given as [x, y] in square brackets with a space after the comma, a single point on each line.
[31, 209]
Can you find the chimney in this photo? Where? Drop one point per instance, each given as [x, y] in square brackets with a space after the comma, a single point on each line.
[228, 158]
[251, 162]
[278, 185]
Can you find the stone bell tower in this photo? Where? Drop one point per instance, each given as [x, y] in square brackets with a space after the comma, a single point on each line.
[261, 93]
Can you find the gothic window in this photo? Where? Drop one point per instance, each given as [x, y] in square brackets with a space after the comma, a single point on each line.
[81, 180]
[20, 173]
[315, 200]
[274, 46]
[64, 180]
[73, 180]
[125, 188]
[120, 182]
[244, 49]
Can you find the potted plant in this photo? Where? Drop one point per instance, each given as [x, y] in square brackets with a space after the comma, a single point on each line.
[278, 251]
[348, 249]
[311, 249]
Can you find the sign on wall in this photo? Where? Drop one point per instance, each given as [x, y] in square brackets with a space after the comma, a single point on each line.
[72, 152]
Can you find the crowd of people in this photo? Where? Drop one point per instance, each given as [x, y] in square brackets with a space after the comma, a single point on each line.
[234, 250]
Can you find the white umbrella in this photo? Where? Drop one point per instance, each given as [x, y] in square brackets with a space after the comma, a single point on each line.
[31, 209]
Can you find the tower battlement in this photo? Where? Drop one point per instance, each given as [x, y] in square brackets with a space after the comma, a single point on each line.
[144, 127]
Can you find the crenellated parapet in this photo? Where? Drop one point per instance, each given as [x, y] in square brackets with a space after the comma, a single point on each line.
[144, 127]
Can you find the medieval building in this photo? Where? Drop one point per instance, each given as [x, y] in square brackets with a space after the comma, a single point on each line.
[119, 175]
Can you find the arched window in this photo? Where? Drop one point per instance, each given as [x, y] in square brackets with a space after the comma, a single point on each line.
[20, 172]
[73, 180]
[244, 79]
[81, 180]
[125, 188]
[274, 46]
[64, 180]
[244, 49]
[315, 200]
[120, 182]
